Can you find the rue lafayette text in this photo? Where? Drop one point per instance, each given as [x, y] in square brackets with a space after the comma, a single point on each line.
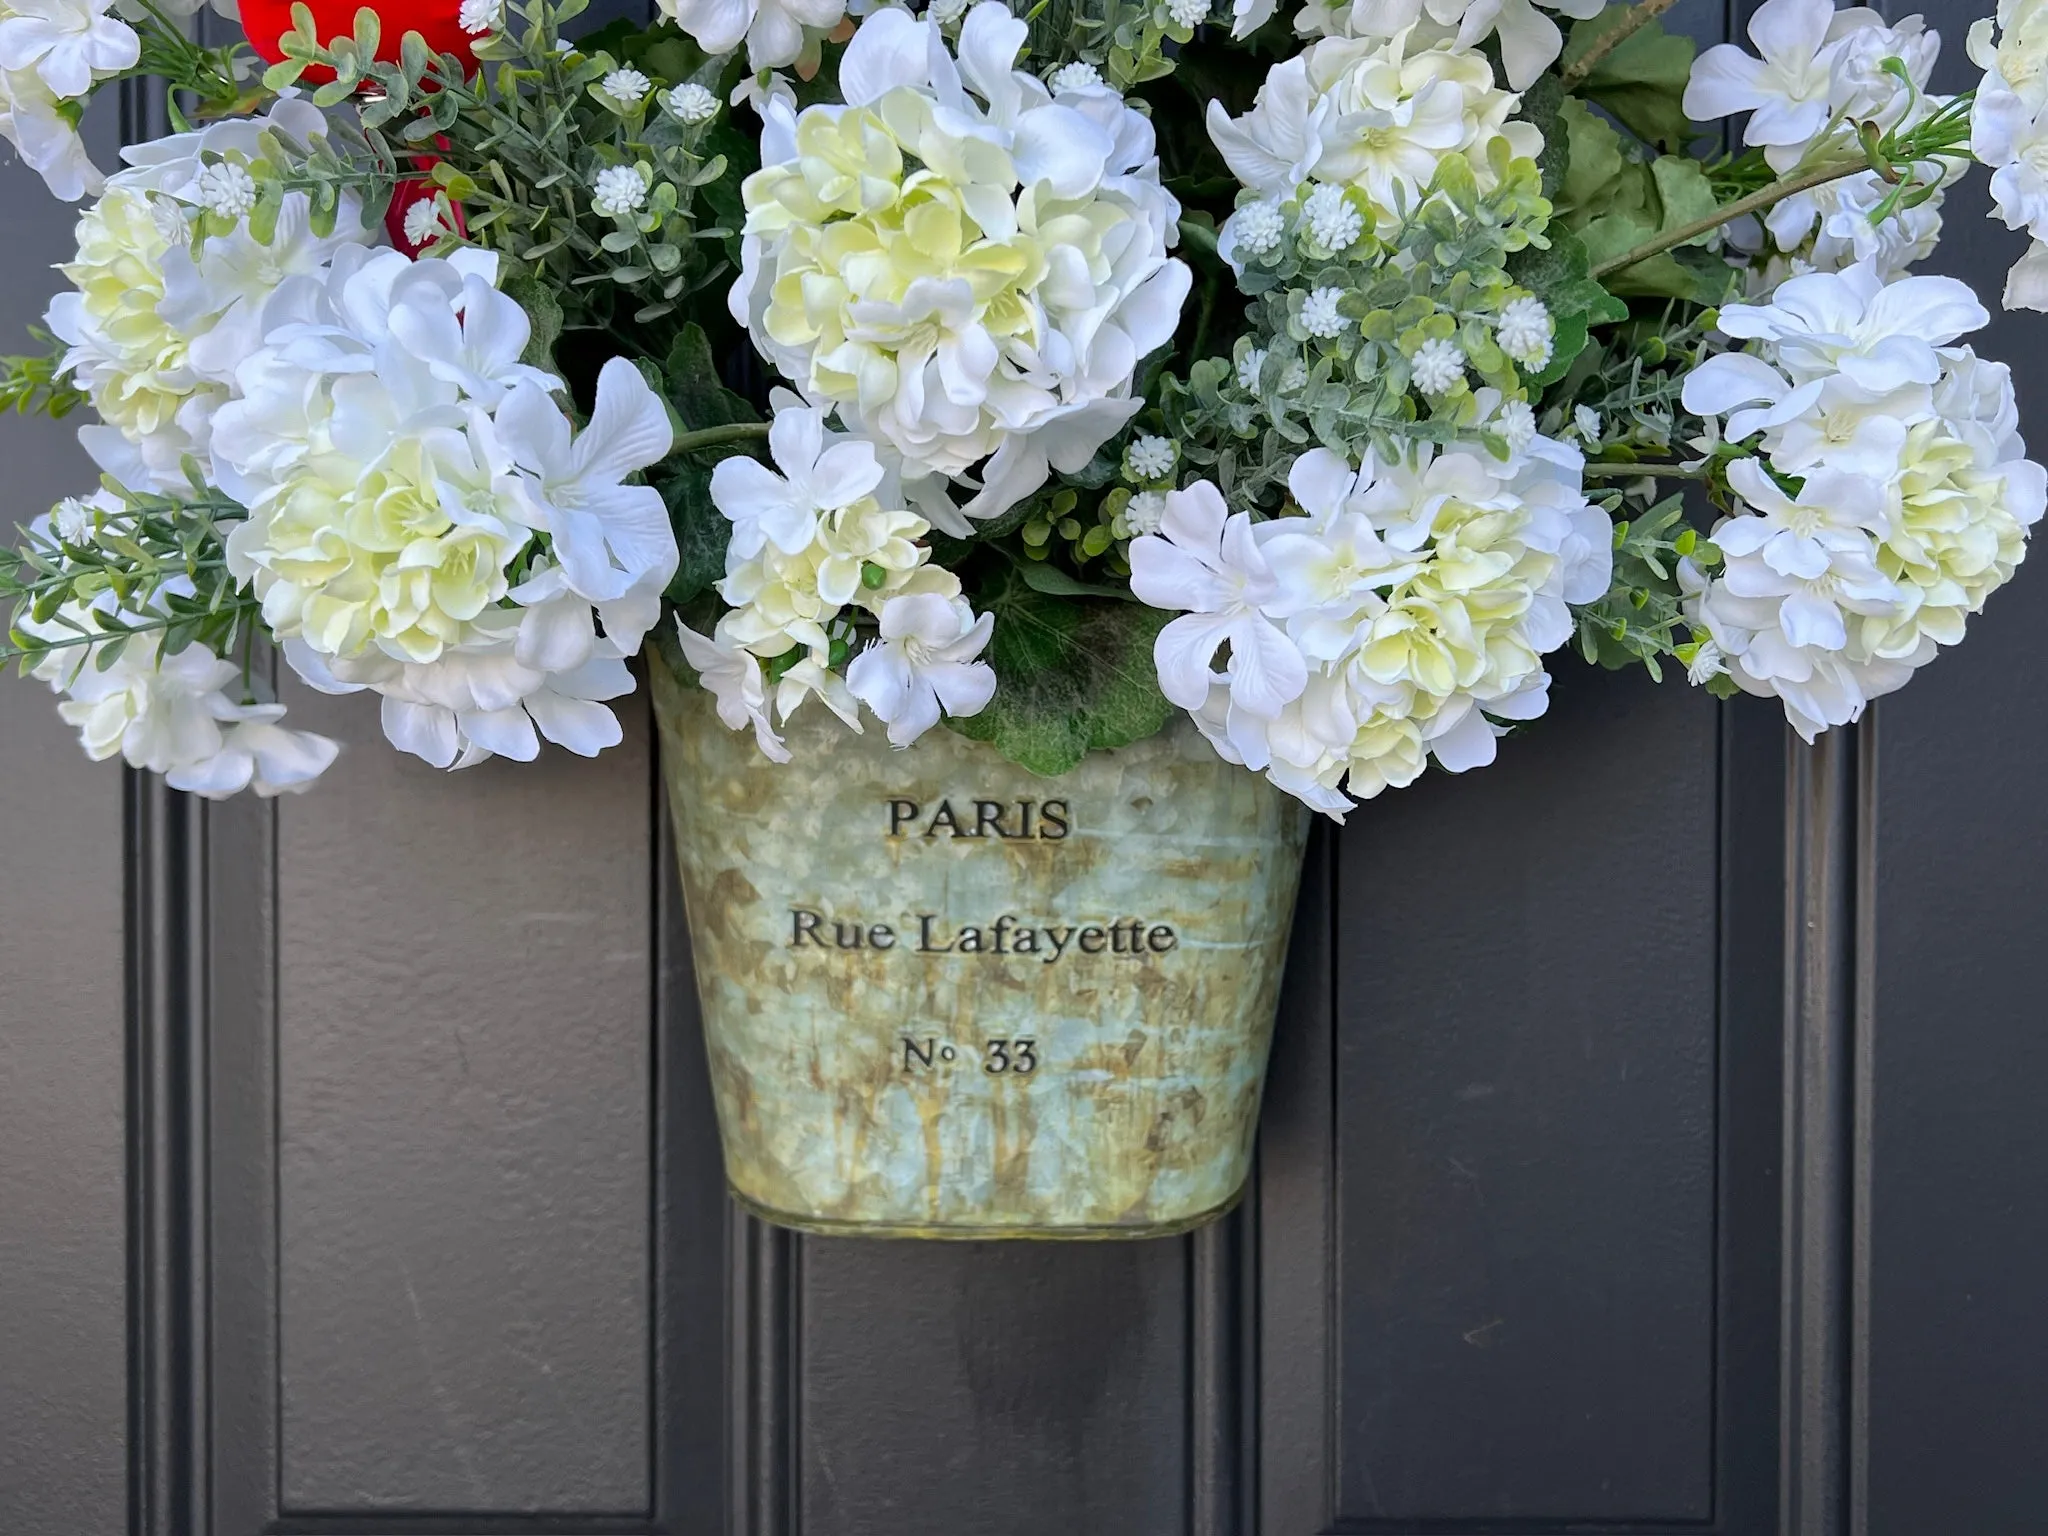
[1132, 938]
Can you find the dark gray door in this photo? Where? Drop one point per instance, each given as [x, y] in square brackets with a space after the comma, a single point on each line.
[1652, 1147]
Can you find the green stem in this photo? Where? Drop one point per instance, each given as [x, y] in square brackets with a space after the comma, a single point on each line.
[1633, 21]
[716, 437]
[1638, 471]
[1756, 202]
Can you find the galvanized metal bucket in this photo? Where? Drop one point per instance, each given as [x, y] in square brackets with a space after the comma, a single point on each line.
[944, 997]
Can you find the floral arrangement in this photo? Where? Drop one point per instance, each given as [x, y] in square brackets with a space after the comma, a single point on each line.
[1039, 372]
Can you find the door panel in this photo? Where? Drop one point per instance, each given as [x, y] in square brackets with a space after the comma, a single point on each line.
[463, 1061]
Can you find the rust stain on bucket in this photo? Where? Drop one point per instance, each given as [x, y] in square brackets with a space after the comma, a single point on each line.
[944, 997]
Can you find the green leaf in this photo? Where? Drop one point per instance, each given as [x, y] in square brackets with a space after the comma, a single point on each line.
[1054, 582]
[1595, 179]
[1683, 194]
[1073, 676]
[1642, 81]
[543, 311]
[694, 389]
[702, 531]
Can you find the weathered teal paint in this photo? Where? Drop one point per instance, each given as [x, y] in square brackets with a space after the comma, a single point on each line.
[868, 1059]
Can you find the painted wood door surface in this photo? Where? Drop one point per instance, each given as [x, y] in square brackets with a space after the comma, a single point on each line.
[1652, 1146]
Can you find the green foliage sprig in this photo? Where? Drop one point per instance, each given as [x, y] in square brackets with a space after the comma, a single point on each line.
[150, 564]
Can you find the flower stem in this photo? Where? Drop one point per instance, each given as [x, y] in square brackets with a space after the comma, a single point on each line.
[1756, 202]
[1638, 471]
[1633, 21]
[715, 437]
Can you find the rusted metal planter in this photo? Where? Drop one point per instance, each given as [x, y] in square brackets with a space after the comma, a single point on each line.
[944, 997]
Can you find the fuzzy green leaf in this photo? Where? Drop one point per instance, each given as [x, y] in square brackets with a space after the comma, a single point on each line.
[1642, 81]
[1073, 676]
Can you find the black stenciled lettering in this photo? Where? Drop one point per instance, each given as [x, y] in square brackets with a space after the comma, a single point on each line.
[806, 927]
[1053, 815]
[943, 817]
[1161, 939]
[915, 1055]
[881, 936]
[1098, 936]
[901, 811]
[924, 935]
[988, 814]
[846, 935]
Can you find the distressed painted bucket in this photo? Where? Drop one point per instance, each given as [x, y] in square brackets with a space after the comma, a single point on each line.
[944, 997]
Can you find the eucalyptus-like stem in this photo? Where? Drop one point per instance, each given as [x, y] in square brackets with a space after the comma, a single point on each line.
[715, 437]
[1633, 21]
[1756, 202]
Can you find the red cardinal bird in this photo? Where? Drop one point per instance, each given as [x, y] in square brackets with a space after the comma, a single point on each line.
[435, 20]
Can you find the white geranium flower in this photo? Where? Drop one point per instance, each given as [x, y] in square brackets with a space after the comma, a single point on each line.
[1378, 116]
[172, 714]
[1417, 599]
[733, 674]
[1785, 91]
[2009, 133]
[613, 541]
[155, 335]
[481, 701]
[1530, 41]
[422, 522]
[1882, 335]
[773, 30]
[31, 120]
[68, 43]
[1915, 502]
[1206, 562]
[815, 480]
[924, 665]
[477, 17]
[966, 279]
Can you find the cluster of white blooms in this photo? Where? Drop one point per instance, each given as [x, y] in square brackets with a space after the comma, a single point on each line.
[173, 715]
[1915, 496]
[1398, 620]
[1529, 40]
[829, 533]
[2009, 133]
[154, 332]
[775, 31]
[52, 53]
[422, 522]
[1818, 74]
[961, 277]
[1376, 116]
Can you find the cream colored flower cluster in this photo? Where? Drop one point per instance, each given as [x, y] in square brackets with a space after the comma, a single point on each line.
[963, 266]
[1402, 617]
[826, 534]
[1380, 116]
[1914, 500]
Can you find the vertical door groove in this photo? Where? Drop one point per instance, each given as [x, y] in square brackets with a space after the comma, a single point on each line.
[1830, 819]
